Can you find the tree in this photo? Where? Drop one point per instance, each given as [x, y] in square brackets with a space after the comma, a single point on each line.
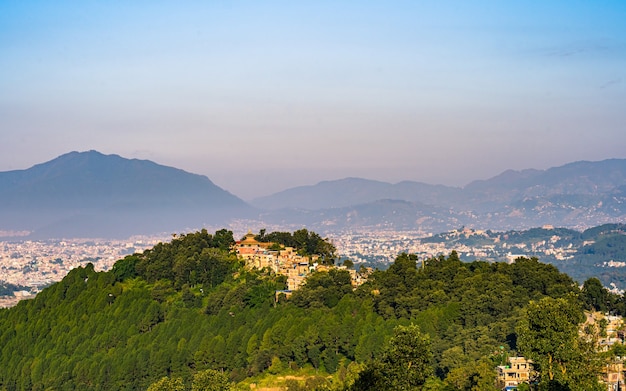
[167, 384]
[407, 358]
[405, 363]
[125, 268]
[323, 288]
[477, 376]
[223, 239]
[595, 295]
[549, 335]
[304, 241]
[210, 380]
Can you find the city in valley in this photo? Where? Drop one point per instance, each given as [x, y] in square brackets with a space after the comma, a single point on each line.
[32, 265]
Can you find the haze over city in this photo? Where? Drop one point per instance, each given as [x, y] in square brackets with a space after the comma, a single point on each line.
[260, 97]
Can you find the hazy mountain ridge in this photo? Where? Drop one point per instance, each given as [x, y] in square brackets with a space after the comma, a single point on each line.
[353, 191]
[385, 214]
[580, 194]
[89, 193]
[89, 177]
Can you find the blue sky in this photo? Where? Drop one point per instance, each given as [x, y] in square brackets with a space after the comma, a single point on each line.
[262, 96]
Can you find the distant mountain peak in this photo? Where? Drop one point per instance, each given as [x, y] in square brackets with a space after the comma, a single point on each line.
[111, 188]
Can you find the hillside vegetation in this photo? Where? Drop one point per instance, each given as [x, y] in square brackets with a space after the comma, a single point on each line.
[189, 310]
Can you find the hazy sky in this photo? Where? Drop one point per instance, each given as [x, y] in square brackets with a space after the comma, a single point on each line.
[264, 95]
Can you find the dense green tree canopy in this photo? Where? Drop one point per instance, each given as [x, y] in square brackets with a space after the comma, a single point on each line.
[595, 296]
[188, 312]
[405, 363]
[210, 380]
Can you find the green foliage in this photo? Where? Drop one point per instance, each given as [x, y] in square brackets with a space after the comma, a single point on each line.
[324, 288]
[167, 384]
[407, 358]
[126, 268]
[198, 258]
[595, 296]
[210, 380]
[609, 246]
[348, 264]
[189, 310]
[475, 376]
[593, 248]
[549, 335]
[304, 241]
[405, 363]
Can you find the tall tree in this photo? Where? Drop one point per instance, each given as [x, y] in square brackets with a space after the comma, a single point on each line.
[210, 380]
[549, 334]
[595, 295]
[167, 384]
[405, 363]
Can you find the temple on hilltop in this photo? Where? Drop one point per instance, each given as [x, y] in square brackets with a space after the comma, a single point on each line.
[248, 247]
[285, 261]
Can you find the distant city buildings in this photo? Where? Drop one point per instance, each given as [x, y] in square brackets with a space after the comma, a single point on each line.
[36, 264]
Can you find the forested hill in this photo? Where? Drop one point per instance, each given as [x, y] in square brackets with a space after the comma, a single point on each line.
[189, 309]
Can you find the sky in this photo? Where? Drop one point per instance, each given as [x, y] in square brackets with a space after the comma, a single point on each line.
[261, 96]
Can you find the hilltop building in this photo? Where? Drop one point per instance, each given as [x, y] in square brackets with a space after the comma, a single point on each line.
[249, 247]
[285, 261]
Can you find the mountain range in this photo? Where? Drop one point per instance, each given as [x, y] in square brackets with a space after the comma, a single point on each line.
[89, 194]
[576, 195]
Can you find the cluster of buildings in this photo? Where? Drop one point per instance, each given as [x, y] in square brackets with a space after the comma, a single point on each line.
[382, 247]
[285, 261]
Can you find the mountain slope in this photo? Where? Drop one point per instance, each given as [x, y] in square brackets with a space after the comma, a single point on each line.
[354, 191]
[578, 178]
[579, 194]
[387, 214]
[90, 193]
